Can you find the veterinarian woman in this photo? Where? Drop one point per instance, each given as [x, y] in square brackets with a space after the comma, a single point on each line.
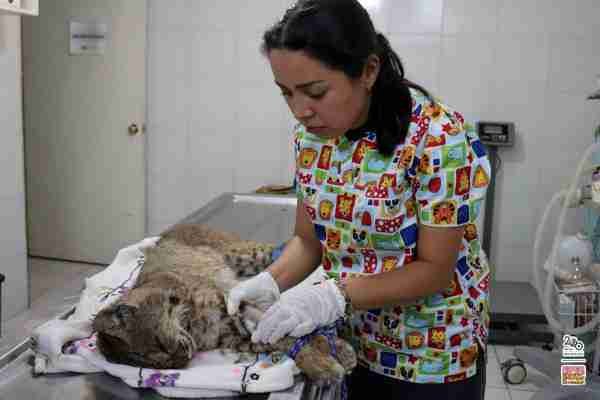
[389, 182]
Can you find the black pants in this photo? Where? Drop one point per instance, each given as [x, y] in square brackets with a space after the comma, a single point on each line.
[363, 384]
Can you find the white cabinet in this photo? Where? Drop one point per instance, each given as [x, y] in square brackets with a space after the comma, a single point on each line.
[19, 7]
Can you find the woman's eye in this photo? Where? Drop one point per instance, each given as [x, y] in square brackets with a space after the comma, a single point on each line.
[316, 95]
[286, 94]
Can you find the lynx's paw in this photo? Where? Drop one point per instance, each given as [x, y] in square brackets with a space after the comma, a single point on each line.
[316, 362]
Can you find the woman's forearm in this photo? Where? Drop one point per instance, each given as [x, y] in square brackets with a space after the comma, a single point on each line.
[299, 258]
[400, 287]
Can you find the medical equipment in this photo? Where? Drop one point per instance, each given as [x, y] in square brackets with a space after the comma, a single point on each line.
[571, 305]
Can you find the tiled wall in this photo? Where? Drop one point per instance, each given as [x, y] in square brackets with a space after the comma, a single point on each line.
[217, 123]
[13, 259]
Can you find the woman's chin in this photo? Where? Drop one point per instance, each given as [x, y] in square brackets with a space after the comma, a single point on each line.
[325, 133]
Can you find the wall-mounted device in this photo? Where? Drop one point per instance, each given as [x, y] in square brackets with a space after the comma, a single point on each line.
[496, 133]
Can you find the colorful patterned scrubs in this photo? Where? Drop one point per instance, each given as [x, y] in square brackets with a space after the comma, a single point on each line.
[366, 209]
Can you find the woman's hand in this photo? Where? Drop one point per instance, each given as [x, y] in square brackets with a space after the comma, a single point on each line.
[260, 290]
[300, 311]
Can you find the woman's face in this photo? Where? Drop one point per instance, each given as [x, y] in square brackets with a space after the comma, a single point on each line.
[326, 101]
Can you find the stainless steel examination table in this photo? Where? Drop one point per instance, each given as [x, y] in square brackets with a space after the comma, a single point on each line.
[259, 217]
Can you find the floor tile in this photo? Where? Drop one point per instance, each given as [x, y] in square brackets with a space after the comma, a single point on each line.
[493, 373]
[520, 394]
[47, 275]
[534, 380]
[496, 394]
[504, 352]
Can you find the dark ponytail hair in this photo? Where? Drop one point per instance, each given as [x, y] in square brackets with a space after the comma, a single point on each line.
[340, 34]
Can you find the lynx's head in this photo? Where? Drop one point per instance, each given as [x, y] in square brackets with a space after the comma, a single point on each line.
[149, 327]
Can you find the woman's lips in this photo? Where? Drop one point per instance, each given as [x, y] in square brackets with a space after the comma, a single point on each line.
[315, 128]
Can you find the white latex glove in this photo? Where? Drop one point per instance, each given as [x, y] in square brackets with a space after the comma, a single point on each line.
[259, 290]
[300, 311]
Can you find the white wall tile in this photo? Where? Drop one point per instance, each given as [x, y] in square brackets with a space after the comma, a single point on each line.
[415, 16]
[378, 14]
[169, 105]
[518, 178]
[577, 17]
[167, 171]
[258, 16]
[570, 123]
[168, 76]
[470, 16]
[213, 15]
[466, 78]
[521, 61]
[254, 68]
[420, 56]
[574, 64]
[524, 16]
[214, 116]
[511, 262]
[167, 16]
[263, 138]
[515, 192]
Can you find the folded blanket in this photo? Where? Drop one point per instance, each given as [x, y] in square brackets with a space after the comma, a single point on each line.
[70, 345]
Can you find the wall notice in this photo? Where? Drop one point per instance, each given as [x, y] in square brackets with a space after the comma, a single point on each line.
[88, 37]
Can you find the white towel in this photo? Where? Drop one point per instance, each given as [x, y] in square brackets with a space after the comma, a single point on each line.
[70, 345]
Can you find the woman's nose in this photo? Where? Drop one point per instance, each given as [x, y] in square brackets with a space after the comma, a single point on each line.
[301, 110]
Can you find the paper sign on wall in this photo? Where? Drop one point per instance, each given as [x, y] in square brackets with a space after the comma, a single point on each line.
[88, 37]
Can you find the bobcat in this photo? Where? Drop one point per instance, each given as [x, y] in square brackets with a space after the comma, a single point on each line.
[178, 307]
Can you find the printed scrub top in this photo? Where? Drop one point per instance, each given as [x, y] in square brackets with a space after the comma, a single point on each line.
[366, 208]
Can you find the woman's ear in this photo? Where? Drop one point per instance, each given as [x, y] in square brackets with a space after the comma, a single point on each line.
[371, 71]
